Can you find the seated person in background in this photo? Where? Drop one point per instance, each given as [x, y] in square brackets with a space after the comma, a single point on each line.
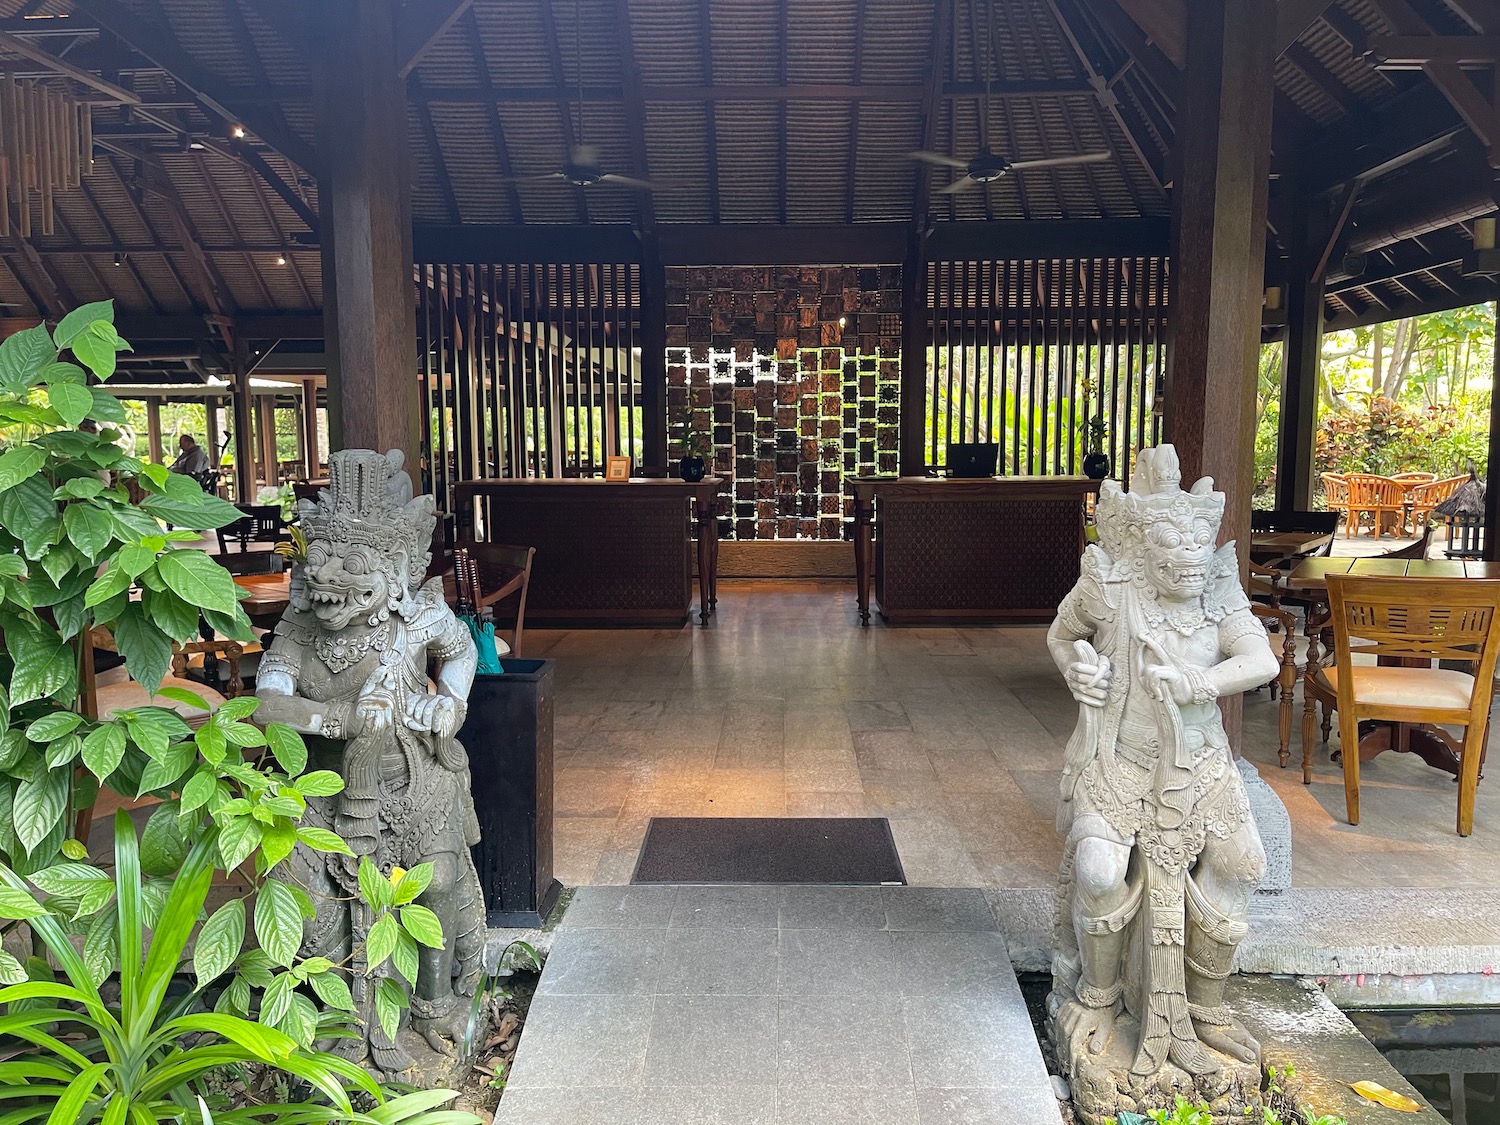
[191, 460]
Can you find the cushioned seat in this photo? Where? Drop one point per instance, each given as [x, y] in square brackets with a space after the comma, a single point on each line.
[1427, 687]
[129, 694]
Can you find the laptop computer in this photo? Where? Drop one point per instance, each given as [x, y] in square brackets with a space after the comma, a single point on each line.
[973, 459]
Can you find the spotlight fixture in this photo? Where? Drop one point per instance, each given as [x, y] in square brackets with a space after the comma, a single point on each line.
[238, 132]
[843, 321]
[281, 259]
[119, 258]
[1484, 259]
[195, 144]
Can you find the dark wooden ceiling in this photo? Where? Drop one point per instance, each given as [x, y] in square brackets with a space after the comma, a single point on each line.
[777, 111]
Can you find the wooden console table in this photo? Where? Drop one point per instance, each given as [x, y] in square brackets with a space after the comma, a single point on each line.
[987, 549]
[607, 552]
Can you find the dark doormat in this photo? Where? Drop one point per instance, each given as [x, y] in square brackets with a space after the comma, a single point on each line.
[829, 850]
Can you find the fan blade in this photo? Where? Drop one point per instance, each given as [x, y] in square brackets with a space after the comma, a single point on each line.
[965, 184]
[543, 178]
[626, 181]
[1059, 161]
[942, 160]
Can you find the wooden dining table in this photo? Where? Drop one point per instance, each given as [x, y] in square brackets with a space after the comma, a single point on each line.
[269, 595]
[1270, 546]
[1309, 579]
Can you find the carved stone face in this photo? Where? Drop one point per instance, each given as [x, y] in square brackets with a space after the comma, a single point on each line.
[1178, 554]
[345, 582]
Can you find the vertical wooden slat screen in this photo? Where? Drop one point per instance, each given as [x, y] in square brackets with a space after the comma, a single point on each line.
[1027, 353]
[527, 370]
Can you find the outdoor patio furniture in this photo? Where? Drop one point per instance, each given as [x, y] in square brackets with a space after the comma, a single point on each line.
[1407, 624]
[1380, 496]
[1284, 647]
[489, 573]
[1336, 493]
[1427, 496]
[261, 523]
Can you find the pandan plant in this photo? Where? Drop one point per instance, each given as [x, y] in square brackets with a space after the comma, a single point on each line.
[110, 1019]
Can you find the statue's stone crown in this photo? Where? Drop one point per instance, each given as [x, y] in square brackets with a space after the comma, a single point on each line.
[1156, 496]
[369, 501]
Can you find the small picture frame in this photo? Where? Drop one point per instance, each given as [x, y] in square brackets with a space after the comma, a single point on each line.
[617, 469]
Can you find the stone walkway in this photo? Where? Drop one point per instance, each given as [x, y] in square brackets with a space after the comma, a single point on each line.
[778, 1006]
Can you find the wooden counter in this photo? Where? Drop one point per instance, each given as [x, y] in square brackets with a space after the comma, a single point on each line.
[991, 549]
[607, 552]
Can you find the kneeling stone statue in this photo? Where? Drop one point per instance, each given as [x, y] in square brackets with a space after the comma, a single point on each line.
[374, 668]
[1161, 855]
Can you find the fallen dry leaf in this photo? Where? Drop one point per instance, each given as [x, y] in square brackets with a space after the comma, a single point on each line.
[1375, 1092]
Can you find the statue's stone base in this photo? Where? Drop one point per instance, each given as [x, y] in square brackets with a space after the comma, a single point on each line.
[1103, 1085]
[438, 1070]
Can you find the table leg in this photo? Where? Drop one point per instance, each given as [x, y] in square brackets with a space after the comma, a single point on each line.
[1310, 627]
[864, 513]
[707, 533]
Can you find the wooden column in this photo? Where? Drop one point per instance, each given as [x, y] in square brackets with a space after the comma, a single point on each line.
[368, 301]
[914, 341]
[265, 412]
[1220, 180]
[153, 430]
[244, 428]
[211, 431]
[653, 355]
[1302, 363]
[312, 455]
[1492, 471]
[1222, 165]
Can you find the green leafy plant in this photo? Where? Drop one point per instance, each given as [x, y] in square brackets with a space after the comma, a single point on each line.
[76, 554]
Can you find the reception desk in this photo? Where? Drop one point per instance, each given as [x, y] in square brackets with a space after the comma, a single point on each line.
[607, 552]
[992, 549]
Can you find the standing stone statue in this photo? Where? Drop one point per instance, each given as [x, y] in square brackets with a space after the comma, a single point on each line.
[374, 668]
[1162, 855]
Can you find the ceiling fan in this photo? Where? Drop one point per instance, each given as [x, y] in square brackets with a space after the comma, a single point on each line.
[986, 166]
[582, 167]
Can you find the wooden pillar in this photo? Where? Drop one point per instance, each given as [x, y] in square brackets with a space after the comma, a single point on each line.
[244, 437]
[153, 430]
[1221, 173]
[653, 355]
[265, 411]
[369, 304]
[312, 456]
[211, 431]
[914, 342]
[1301, 366]
[1492, 470]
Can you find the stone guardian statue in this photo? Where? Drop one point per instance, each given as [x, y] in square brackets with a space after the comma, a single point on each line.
[1161, 854]
[371, 665]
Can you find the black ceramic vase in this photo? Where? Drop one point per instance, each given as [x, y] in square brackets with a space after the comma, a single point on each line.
[1096, 465]
[691, 468]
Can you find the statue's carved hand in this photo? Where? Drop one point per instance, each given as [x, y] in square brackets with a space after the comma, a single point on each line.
[435, 713]
[1081, 1024]
[376, 713]
[1163, 681]
[1088, 676]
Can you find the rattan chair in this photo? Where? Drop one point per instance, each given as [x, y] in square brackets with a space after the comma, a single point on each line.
[1425, 497]
[1380, 496]
[1336, 493]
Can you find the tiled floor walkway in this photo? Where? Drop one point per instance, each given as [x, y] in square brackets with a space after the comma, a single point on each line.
[784, 707]
[778, 1006]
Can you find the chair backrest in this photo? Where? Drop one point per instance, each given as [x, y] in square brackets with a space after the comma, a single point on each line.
[1414, 478]
[1315, 523]
[1364, 489]
[1335, 487]
[1435, 492]
[1417, 550]
[1423, 618]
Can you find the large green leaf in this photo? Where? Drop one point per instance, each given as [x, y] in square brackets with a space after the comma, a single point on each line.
[381, 941]
[146, 649]
[78, 321]
[29, 513]
[39, 805]
[23, 355]
[44, 666]
[53, 725]
[71, 401]
[103, 748]
[176, 618]
[319, 783]
[219, 941]
[278, 921]
[96, 348]
[375, 888]
[162, 844]
[389, 1000]
[198, 580]
[20, 463]
[200, 513]
[237, 839]
[166, 771]
[89, 527]
[288, 747]
[333, 990]
[423, 925]
[106, 407]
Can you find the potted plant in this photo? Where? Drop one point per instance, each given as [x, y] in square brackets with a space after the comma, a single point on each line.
[112, 1019]
[692, 467]
[1096, 463]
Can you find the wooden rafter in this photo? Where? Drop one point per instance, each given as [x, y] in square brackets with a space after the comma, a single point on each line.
[1306, 64]
[289, 195]
[981, 118]
[224, 217]
[710, 91]
[635, 115]
[419, 26]
[710, 107]
[783, 49]
[48, 292]
[564, 114]
[435, 152]
[28, 50]
[851, 156]
[492, 117]
[1392, 51]
[939, 50]
[1149, 58]
[1293, 17]
[1482, 15]
[125, 259]
[291, 259]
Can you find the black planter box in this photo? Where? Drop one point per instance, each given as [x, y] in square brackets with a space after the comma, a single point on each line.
[508, 736]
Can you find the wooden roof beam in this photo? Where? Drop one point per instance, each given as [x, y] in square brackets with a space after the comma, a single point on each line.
[27, 50]
[1482, 15]
[1165, 22]
[49, 292]
[1411, 52]
[1293, 17]
[420, 24]
[635, 116]
[1159, 68]
[1307, 65]
[938, 52]
[710, 110]
[851, 157]
[160, 46]
[735, 92]
[435, 151]
[492, 116]
[564, 114]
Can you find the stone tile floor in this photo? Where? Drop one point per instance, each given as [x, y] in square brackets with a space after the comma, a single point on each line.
[783, 706]
[778, 1006]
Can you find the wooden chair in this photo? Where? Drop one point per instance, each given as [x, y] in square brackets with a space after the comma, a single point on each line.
[488, 573]
[1410, 480]
[1415, 620]
[261, 523]
[1380, 496]
[1336, 493]
[1284, 646]
[1425, 497]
